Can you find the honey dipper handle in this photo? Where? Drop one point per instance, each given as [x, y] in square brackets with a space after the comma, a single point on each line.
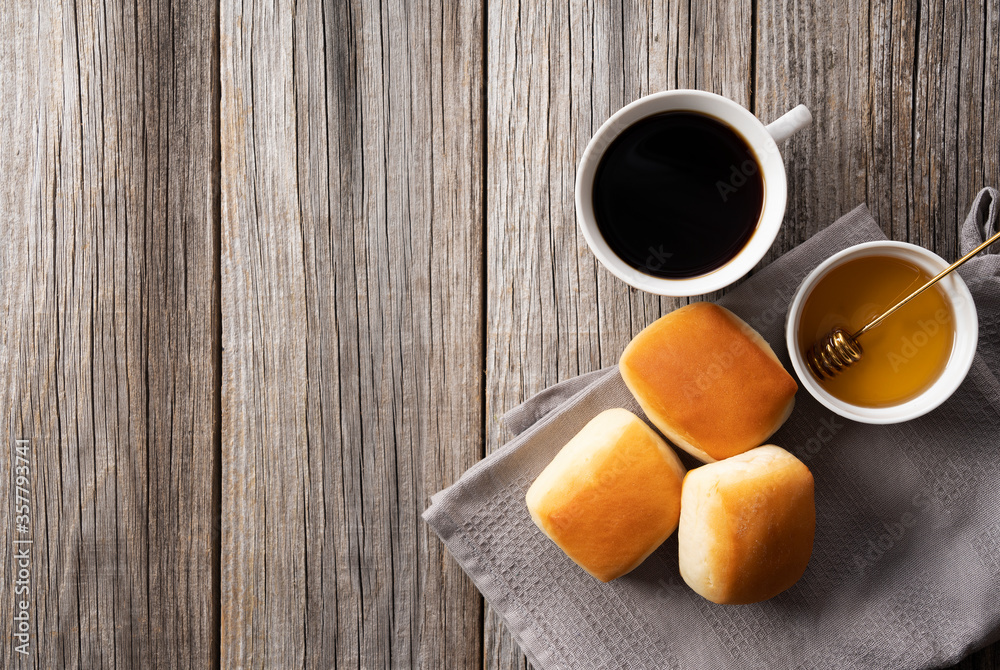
[881, 317]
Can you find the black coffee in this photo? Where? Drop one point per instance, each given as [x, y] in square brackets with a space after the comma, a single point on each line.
[678, 194]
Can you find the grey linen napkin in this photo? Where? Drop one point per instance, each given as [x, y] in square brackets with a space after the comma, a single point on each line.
[905, 571]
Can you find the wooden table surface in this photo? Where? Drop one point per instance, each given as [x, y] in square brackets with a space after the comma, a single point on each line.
[272, 270]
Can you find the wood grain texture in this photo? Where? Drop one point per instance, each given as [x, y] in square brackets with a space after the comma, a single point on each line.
[352, 329]
[109, 348]
[904, 100]
[556, 72]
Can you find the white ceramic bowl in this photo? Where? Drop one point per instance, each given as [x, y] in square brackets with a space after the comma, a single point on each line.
[762, 141]
[962, 353]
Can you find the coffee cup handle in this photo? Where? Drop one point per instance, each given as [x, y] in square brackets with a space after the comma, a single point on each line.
[786, 125]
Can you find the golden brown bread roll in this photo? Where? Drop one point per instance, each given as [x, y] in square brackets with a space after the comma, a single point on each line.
[708, 381]
[747, 525]
[611, 495]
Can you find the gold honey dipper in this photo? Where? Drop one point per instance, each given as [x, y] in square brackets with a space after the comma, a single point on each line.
[840, 349]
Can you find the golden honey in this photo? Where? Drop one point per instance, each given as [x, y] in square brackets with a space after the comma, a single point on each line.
[903, 355]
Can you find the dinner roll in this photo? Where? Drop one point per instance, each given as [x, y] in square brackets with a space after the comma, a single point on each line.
[708, 381]
[747, 524]
[611, 495]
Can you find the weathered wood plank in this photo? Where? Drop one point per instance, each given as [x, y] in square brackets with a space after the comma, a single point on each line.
[951, 132]
[352, 329]
[556, 72]
[109, 352]
[820, 56]
[901, 106]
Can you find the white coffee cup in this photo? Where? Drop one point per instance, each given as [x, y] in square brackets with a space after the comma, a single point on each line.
[761, 139]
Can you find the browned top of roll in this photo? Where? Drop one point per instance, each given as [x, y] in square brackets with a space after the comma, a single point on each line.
[708, 381]
[747, 526]
[611, 496]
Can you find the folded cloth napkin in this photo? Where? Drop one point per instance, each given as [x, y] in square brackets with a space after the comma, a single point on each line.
[905, 571]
